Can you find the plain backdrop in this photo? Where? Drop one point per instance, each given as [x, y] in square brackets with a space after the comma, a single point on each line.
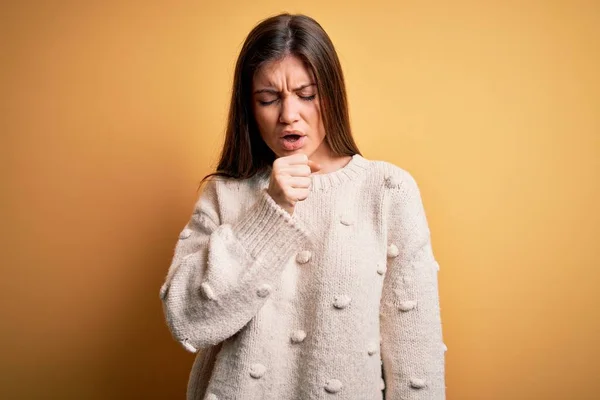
[112, 112]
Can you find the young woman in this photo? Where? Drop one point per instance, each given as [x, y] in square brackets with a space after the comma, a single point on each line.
[306, 271]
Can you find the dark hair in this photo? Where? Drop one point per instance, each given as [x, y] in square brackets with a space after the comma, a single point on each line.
[244, 152]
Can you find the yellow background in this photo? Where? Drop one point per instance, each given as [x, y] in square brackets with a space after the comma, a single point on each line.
[111, 113]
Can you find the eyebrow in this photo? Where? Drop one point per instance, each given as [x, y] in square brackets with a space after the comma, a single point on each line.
[271, 90]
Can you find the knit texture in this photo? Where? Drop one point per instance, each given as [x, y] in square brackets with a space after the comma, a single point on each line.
[337, 301]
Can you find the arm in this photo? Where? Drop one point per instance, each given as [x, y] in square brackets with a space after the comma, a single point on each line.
[221, 274]
[412, 348]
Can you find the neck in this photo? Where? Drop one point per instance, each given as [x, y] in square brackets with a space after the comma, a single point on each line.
[329, 162]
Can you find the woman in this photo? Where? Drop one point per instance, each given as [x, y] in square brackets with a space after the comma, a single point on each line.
[306, 271]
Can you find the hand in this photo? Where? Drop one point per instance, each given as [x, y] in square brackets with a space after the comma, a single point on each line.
[290, 180]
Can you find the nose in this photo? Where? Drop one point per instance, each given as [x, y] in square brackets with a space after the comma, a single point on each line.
[289, 110]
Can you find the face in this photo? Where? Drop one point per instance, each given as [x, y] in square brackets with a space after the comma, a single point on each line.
[285, 101]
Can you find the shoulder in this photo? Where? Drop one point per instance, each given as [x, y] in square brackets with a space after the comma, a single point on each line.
[393, 176]
[221, 195]
[221, 188]
[401, 195]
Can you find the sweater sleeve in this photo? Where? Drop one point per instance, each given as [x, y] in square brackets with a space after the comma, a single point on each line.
[222, 273]
[412, 347]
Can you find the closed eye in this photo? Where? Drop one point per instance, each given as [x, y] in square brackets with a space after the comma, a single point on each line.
[304, 98]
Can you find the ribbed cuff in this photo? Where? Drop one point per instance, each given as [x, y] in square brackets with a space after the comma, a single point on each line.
[268, 232]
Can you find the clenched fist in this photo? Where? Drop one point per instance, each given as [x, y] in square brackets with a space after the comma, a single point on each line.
[290, 180]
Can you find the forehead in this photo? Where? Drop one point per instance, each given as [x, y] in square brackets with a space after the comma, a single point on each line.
[290, 69]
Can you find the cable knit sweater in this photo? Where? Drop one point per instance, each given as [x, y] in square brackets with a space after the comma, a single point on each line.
[337, 301]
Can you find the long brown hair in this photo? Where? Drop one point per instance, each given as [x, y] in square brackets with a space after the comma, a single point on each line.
[244, 152]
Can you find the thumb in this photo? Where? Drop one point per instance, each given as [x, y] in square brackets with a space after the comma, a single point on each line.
[314, 166]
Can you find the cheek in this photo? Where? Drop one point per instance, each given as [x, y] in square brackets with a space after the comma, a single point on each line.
[314, 118]
[264, 118]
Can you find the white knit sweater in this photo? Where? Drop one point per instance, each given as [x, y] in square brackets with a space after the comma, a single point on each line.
[338, 301]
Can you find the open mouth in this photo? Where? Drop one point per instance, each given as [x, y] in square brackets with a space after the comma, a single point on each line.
[293, 141]
[292, 138]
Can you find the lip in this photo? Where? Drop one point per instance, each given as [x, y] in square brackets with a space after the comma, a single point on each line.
[291, 146]
[293, 132]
